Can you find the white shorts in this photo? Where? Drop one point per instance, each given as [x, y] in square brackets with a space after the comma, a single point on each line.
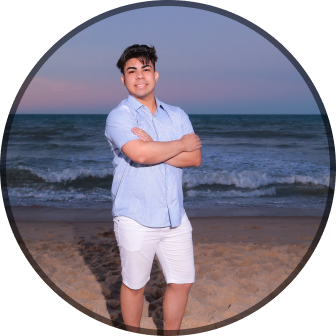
[138, 244]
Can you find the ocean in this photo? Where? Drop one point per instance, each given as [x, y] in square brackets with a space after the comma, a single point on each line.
[274, 163]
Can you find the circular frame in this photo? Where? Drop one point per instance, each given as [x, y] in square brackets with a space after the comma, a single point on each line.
[166, 3]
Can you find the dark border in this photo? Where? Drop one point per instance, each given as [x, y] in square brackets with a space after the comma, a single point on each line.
[208, 8]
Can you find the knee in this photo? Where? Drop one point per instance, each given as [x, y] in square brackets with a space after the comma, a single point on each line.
[183, 288]
[133, 291]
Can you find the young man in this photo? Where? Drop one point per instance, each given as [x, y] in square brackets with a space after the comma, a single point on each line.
[151, 142]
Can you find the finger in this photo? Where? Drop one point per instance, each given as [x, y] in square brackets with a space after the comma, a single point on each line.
[138, 132]
[142, 133]
[141, 136]
[145, 138]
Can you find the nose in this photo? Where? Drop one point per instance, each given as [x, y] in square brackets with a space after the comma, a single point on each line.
[140, 74]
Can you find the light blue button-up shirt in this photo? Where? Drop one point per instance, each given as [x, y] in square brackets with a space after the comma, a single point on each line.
[151, 194]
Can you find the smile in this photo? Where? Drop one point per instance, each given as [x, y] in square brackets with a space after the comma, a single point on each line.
[140, 85]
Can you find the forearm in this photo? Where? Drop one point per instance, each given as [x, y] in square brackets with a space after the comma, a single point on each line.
[186, 159]
[153, 152]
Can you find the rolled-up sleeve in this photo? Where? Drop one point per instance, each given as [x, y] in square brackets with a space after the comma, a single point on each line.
[186, 124]
[118, 130]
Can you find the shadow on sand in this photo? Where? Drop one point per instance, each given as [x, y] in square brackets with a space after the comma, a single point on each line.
[103, 258]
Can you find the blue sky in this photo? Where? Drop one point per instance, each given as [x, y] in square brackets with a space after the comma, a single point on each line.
[207, 63]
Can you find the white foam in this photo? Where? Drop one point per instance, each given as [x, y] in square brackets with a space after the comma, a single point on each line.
[69, 174]
[244, 179]
[248, 179]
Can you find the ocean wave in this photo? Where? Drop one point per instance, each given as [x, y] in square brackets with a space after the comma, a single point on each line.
[82, 178]
[257, 134]
[232, 193]
[248, 179]
[58, 176]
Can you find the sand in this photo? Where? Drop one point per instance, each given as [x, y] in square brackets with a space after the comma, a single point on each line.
[239, 261]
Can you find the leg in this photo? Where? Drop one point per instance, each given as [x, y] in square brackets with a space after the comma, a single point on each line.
[131, 301]
[174, 304]
[137, 245]
[176, 257]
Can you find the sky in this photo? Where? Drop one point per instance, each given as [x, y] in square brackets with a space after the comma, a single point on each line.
[208, 64]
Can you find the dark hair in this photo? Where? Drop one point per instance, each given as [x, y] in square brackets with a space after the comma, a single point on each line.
[142, 52]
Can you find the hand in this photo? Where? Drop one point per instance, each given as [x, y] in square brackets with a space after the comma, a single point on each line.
[191, 142]
[141, 134]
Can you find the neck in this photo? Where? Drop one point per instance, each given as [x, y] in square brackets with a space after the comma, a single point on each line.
[150, 102]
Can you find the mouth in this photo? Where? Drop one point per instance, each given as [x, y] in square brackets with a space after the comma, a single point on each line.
[140, 86]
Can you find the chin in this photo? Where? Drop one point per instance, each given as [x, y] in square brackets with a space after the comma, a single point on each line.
[139, 94]
[142, 94]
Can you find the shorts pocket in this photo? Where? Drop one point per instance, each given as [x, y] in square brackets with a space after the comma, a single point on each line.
[186, 224]
[131, 234]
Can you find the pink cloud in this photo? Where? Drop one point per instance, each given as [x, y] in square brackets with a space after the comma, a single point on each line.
[45, 93]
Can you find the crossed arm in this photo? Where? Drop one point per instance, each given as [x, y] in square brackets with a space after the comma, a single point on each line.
[181, 153]
[186, 159]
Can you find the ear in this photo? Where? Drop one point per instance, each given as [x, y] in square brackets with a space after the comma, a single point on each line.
[123, 79]
[156, 76]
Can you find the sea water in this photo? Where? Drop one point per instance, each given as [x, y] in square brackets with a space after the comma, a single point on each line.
[277, 162]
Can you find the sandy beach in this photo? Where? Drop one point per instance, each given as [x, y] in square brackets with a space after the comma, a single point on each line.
[239, 261]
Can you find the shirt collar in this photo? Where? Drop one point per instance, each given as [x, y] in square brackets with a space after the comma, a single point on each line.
[135, 104]
[159, 103]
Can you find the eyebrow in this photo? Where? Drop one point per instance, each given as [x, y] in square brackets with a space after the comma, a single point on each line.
[144, 66]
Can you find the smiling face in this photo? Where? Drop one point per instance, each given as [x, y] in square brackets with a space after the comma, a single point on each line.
[140, 79]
